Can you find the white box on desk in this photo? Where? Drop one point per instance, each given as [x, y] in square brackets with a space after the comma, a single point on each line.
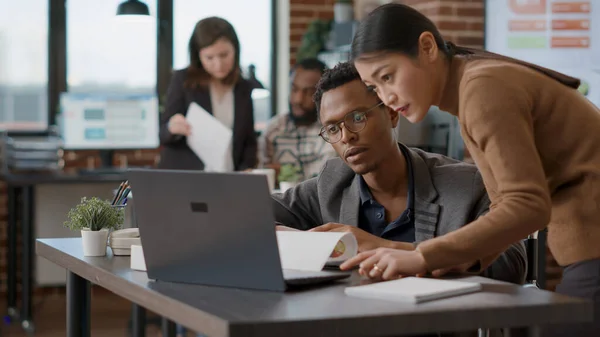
[137, 258]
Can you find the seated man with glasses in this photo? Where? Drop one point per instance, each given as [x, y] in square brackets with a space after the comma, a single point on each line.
[386, 194]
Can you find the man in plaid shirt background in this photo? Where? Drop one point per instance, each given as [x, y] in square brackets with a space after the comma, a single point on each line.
[293, 138]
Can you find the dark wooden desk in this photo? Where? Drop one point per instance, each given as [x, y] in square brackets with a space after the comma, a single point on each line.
[322, 311]
[20, 200]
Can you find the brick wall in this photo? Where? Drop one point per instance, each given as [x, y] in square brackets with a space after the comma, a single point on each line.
[460, 21]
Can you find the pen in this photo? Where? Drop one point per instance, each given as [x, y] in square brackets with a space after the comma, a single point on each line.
[124, 186]
[124, 195]
[114, 201]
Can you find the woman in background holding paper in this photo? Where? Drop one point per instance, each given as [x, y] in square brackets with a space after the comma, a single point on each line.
[209, 92]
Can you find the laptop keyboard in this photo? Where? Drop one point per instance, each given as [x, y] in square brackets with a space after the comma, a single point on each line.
[306, 277]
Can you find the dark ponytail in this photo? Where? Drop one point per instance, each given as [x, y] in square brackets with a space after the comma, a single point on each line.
[452, 49]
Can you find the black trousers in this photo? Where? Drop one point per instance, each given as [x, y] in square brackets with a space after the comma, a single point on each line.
[579, 280]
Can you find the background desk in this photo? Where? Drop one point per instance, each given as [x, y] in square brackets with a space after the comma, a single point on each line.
[22, 190]
[323, 311]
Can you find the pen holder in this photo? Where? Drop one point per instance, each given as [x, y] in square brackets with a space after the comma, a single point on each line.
[122, 209]
[119, 207]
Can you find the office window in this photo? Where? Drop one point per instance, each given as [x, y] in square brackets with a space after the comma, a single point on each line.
[109, 53]
[252, 23]
[23, 64]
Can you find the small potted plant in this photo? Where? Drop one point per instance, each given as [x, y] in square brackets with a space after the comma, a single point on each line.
[94, 218]
[289, 176]
[314, 39]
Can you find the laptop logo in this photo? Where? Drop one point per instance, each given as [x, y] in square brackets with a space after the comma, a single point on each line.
[199, 207]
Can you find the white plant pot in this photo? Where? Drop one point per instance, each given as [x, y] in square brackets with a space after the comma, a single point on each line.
[286, 185]
[94, 242]
[343, 12]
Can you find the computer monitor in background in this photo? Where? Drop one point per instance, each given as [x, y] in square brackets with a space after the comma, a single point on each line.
[108, 122]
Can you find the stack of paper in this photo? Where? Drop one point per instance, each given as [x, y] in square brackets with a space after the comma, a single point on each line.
[413, 289]
[121, 240]
[210, 140]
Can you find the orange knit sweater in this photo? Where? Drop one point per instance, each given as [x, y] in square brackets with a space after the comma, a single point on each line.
[536, 141]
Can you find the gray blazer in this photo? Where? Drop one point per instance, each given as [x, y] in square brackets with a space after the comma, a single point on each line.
[448, 195]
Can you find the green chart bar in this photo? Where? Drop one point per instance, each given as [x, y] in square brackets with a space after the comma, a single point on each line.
[527, 42]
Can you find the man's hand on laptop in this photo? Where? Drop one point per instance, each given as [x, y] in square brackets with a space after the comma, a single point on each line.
[366, 241]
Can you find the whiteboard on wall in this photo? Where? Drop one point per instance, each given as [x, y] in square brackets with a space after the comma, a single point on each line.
[563, 35]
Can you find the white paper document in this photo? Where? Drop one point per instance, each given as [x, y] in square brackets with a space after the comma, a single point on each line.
[413, 289]
[210, 139]
[312, 251]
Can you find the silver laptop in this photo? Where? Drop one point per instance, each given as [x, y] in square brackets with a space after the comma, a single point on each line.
[212, 229]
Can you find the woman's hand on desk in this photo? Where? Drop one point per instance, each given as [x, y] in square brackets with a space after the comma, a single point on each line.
[387, 263]
[178, 125]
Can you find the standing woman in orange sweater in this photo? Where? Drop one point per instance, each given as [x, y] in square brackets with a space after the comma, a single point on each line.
[214, 81]
[534, 137]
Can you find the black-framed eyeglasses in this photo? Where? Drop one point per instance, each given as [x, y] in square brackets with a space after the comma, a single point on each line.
[354, 122]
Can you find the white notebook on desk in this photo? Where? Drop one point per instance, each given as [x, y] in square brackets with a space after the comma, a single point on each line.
[413, 289]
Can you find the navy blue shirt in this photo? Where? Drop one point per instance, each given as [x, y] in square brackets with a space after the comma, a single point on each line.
[372, 214]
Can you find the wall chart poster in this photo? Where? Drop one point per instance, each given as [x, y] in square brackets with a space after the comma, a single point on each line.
[558, 34]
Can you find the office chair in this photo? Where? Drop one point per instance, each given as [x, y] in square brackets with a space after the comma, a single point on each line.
[531, 279]
[532, 248]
